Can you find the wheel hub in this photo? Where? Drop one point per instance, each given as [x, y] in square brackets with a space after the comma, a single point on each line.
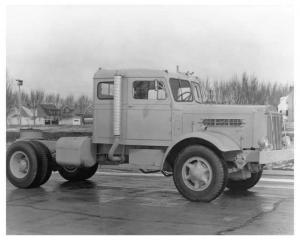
[23, 166]
[197, 173]
[19, 164]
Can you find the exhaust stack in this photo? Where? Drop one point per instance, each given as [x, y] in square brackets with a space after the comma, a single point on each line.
[116, 118]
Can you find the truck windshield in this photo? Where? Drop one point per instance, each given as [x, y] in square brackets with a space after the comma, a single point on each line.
[181, 90]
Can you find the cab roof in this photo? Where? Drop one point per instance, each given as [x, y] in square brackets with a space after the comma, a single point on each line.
[139, 73]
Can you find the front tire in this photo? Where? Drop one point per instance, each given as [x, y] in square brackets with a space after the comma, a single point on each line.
[77, 173]
[199, 174]
[243, 185]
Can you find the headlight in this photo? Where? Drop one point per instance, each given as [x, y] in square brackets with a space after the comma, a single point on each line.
[286, 141]
[264, 143]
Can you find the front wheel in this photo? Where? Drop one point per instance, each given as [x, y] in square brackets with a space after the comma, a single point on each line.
[243, 185]
[73, 174]
[199, 174]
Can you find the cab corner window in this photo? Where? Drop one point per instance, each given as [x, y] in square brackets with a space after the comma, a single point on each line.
[105, 90]
[149, 90]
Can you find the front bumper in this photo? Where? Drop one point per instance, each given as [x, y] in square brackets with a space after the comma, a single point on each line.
[270, 156]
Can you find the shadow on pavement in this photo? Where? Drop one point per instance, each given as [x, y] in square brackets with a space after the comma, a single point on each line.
[238, 194]
[84, 184]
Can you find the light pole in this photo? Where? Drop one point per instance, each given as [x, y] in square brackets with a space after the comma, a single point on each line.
[20, 83]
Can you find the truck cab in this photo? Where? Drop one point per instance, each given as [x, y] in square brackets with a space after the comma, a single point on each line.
[154, 120]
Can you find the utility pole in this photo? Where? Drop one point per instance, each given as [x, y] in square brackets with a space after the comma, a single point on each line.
[20, 83]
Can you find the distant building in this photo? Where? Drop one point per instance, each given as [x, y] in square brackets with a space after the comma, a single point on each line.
[286, 106]
[283, 107]
[48, 113]
[26, 117]
[291, 105]
[69, 116]
[88, 115]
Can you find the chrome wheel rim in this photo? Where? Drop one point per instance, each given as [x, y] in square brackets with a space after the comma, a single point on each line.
[197, 173]
[19, 164]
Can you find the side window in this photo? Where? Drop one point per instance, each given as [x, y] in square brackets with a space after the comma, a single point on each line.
[154, 90]
[105, 90]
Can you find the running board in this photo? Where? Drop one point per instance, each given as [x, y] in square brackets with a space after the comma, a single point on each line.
[149, 171]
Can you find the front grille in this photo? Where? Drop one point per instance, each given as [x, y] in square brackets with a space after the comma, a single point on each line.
[274, 126]
[211, 122]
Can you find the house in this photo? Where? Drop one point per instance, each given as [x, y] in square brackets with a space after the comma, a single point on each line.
[291, 105]
[88, 115]
[48, 113]
[283, 107]
[69, 116]
[286, 106]
[26, 117]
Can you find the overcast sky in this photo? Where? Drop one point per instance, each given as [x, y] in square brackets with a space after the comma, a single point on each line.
[58, 48]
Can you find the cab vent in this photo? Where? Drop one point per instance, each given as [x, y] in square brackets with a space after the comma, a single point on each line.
[223, 122]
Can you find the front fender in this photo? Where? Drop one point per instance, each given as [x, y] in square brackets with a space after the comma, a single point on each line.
[221, 141]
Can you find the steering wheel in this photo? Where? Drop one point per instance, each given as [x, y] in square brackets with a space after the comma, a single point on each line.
[188, 97]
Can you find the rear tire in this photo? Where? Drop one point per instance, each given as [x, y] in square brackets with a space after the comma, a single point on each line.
[45, 161]
[22, 164]
[199, 174]
[243, 185]
[77, 173]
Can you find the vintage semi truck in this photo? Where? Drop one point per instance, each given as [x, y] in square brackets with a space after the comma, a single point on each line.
[154, 120]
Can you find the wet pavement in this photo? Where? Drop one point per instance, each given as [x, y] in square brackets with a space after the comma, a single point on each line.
[130, 203]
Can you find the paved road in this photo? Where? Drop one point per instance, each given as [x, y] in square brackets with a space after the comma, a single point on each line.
[129, 203]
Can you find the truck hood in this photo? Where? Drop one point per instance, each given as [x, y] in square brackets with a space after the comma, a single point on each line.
[245, 124]
[221, 108]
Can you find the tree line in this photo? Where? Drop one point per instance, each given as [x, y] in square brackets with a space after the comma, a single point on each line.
[242, 90]
[237, 90]
[36, 97]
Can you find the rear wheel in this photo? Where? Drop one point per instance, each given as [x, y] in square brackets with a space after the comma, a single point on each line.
[71, 173]
[45, 161]
[199, 174]
[242, 185]
[22, 164]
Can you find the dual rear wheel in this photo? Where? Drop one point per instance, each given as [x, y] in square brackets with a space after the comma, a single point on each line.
[29, 164]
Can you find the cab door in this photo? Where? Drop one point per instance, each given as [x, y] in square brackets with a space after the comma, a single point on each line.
[149, 111]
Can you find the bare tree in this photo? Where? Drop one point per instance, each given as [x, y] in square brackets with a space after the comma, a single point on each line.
[244, 90]
[25, 99]
[82, 104]
[50, 98]
[36, 98]
[58, 101]
[11, 97]
[69, 101]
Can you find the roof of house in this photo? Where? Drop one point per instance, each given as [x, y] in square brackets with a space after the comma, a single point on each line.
[67, 111]
[25, 112]
[46, 110]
